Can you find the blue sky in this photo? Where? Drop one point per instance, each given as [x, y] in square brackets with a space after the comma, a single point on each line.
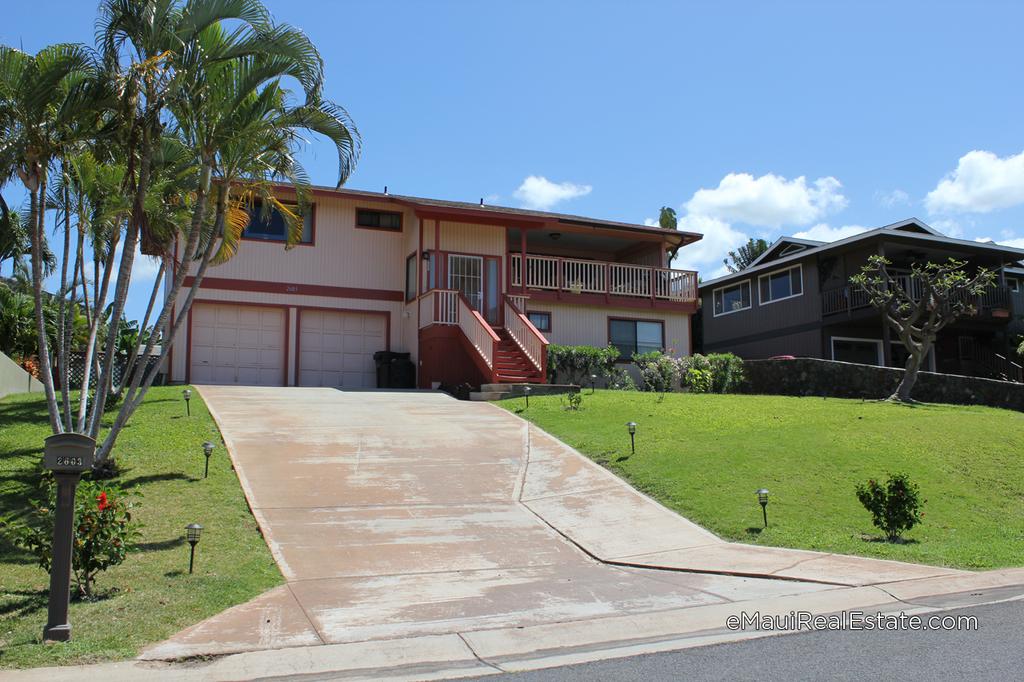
[751, 119]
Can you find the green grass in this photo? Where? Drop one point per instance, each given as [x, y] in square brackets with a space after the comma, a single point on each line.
[151, 595]
[705, 455]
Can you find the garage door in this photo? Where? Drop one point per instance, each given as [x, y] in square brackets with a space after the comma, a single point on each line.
[336, 349]
[237, 344]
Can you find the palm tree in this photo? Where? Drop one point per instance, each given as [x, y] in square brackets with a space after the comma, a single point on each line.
[43, 99]
[742, 257]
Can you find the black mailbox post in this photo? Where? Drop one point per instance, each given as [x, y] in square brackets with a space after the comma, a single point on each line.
[67, 455]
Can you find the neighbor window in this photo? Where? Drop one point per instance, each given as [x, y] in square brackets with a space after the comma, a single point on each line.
[410, 277]
[776, 286]
[542, 321]
[1014, 284]
[271, 226]
[731, 299]
[636, 336]
[860, 351]
[378, 220]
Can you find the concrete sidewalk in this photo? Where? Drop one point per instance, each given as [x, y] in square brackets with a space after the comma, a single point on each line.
[422, 538]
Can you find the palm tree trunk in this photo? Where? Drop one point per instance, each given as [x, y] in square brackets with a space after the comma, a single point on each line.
[133, 360]
[63, 312]
[100, 297]
[36, 225]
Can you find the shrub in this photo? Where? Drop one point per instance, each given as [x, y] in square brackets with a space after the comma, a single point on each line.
[575, 364]
[104, 531]
[574, 400]
[658, 372]
[715, 373]
[619, 380]
[895, 507]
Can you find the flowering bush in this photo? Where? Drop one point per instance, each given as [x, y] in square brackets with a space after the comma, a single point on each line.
[104, 531]
[895, 507]
[658, 372]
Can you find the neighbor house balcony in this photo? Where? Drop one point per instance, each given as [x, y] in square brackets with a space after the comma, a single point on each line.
[995, 303]
[602, 279]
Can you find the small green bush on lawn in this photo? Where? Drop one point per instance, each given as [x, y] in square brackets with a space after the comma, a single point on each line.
[150, 596]
[705, 455]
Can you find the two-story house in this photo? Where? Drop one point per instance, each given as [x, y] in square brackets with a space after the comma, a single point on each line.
[796, 299]
[474, 293]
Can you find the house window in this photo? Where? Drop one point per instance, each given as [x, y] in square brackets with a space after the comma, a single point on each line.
[781, 284]
[271, 226]
[636, 336]
[860, 351]
[542, 321]
[732, 299]
[410, 277]
[1014, 284]
[378, 220]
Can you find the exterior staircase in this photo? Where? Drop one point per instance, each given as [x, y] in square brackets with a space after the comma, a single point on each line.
[511, 365]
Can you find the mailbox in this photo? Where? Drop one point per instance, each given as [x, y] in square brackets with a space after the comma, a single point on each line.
[69, 453]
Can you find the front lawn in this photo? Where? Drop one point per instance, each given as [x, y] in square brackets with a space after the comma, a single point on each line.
[151, 595]
[705, 455]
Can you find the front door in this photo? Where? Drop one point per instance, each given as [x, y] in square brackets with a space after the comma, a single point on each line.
[466, 275]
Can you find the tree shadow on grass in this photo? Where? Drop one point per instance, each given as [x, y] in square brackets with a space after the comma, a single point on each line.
[24, 602]
[160, 544]
[138, 481]
[883, 540]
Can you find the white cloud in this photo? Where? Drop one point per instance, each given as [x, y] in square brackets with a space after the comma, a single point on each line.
[896, 197]
[769, 200]
[1013, 243]
[706, 255]
[947, 226]
[824, 232]
[540, 193]
[982, 182]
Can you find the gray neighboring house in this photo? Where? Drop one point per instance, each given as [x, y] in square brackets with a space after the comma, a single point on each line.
[796, 299]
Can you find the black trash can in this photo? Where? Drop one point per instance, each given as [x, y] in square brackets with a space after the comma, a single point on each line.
[393, 369]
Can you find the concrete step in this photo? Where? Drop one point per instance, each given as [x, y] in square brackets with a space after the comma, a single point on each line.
[488, 395]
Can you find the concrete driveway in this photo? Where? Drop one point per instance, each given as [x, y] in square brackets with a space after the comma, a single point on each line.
[410, 514]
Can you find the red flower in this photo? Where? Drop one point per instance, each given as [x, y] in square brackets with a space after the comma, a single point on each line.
[101, 500]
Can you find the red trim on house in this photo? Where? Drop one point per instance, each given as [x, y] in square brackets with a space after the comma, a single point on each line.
[298, 329]
[604, 301]
[400, 214]
[287, 332]
[232, 284]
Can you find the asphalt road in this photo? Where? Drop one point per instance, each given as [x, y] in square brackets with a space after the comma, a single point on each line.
[995, 651]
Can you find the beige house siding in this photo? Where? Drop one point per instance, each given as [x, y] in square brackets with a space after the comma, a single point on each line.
[484, 240]
[588, 326]
[341, 255]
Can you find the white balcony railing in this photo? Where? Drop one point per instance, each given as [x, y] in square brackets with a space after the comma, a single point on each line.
[439, 306]
[476, 329]
[599, 277]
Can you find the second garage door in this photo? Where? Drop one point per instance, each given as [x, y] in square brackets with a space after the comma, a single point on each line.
[336, 349]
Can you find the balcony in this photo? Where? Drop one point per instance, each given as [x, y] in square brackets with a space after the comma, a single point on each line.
[603, 278]
[994, 303]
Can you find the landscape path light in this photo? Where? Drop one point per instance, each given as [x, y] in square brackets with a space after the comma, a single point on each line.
[762, 499]
[593, 383]
[526, 391]
[632, 437]
[207, 450]
[192, 533]
[187, 395]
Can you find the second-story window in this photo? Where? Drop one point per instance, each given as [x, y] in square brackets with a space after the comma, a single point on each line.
[371, 219]
[781, 284]
[271, 226]
[732, 299]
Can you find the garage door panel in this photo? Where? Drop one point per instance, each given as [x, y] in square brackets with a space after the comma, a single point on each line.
[337, 348]
[233, 344]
